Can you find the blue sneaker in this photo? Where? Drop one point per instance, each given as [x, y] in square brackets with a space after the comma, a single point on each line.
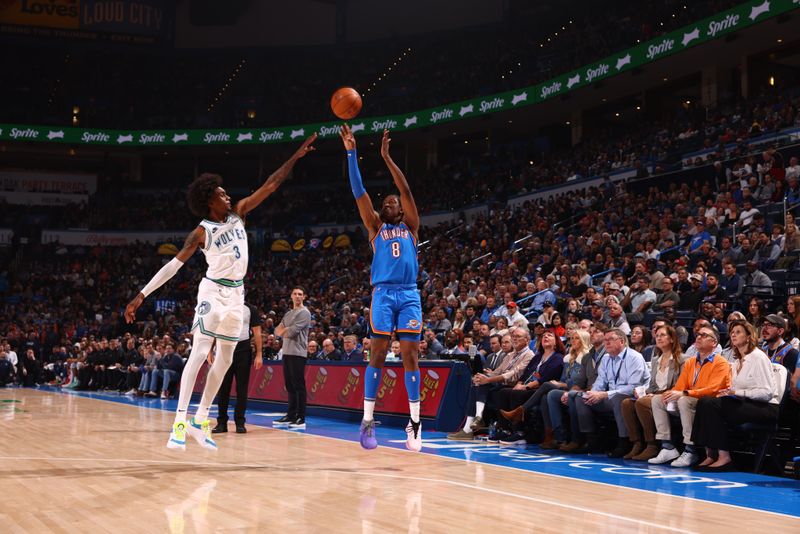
[201, 432]
[368, 440]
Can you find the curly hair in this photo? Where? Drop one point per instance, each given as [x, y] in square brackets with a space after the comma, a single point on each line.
[200, 192]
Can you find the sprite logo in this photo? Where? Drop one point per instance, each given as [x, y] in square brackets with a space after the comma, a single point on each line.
[664, 46]
[27, 133]
[716, 26]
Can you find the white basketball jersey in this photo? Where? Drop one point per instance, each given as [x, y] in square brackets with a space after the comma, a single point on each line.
[225, 248]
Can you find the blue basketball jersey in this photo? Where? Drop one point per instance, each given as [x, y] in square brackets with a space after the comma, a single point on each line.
[395, 256]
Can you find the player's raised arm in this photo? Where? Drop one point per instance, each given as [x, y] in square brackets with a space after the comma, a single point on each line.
[410, 213]
[194, 240]
[368, 214]
[274, 181]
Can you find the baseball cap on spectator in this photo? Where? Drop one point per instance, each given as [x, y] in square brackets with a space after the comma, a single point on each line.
[697, 277]
[547, 304]
[701, 222]
[613, 286]
[776, 320]
[473, 282]
[511, 305]
[639, 255]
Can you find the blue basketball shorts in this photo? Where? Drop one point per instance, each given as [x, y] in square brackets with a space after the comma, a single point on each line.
[396, 309]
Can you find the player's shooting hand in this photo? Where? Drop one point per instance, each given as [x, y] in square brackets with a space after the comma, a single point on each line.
[130, 309]
[348, 138]
[306, 147]
[385, 144]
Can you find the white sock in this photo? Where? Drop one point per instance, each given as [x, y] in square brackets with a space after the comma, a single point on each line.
[202, 344]
[467, 428]
[479, 408]
[215, 376]
[414, 411]
[369, 407]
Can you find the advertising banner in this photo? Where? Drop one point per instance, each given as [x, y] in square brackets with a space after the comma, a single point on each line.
[124, 21]
[342, 386]
[706, 30]
[47, 182]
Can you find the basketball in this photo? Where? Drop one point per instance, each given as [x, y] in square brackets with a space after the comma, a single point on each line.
[346, 103]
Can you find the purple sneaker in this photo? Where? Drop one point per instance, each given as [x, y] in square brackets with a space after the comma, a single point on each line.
[368, 440]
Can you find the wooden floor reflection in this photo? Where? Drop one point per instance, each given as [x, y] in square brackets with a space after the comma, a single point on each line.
[72, 464]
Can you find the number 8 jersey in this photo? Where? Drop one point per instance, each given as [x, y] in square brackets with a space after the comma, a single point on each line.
[395, 256]
[225, 248]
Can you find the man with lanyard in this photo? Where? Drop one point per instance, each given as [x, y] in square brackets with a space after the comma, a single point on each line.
[702, 376]
[782, 352]
[507, 374]
[619, 373]
[240, 368]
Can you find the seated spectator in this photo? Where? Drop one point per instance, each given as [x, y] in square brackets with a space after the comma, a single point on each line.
[752, 397]
[453, 344]
[730, 281]
[557, 402]
[149, 376]
[132, 364]
[557, 326]
[506, 374]
[640, 340]
[500, 327]
[756, 310]
[668, 297]
[546, 366]
[434, 346]
[617, 319]
[691, 299]
[30, 369]
[329, 351]
[755, 280]
[702, 376]
[580, 346]
[638, 413]
[620, 372]
[543, 295]
[499, 351]
[767, 252]
[6, 369]
[351, 352]
[546, 317]
[394, 354]
[168, 370]
[782, 352]
[312, 350]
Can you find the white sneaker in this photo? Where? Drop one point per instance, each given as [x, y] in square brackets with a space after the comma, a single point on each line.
[177, 438]
[130, 392]
[666, 455]
[414, 433]
[687, 459]
[201, 432]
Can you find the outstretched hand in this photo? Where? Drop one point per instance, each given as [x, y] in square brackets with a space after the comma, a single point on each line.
[385, 144]
[348, 138]
[306, 147]
[133, 305]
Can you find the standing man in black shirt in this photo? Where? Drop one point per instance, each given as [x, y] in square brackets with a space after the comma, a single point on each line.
[240, 368]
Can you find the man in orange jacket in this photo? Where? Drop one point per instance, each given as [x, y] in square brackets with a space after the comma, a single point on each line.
[702, 376]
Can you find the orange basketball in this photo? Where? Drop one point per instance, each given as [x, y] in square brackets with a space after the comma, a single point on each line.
[346, 103]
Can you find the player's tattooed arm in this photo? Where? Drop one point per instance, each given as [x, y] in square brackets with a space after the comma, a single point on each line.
[248, 204]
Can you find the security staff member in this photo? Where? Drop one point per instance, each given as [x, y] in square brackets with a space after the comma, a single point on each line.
[240, 367]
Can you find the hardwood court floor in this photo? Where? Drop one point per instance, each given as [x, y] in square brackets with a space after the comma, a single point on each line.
[73, 464]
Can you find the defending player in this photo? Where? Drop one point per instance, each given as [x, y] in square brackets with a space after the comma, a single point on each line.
[220, 296]
[396, 304]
